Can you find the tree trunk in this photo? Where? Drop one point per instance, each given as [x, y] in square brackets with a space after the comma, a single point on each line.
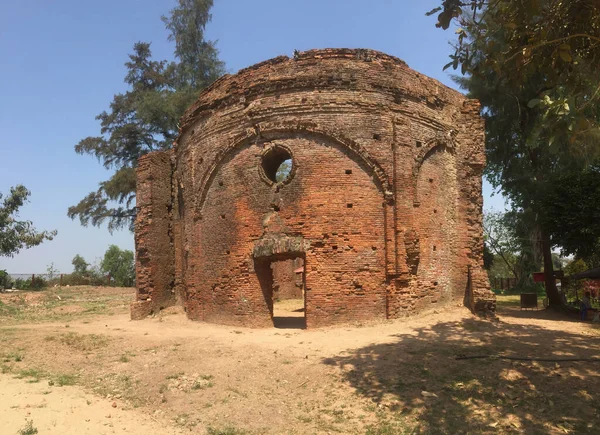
[549, 280]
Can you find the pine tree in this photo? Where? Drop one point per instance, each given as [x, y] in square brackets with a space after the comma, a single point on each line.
[145, 118]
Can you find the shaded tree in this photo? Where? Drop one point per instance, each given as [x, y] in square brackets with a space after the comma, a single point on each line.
[508, 237]
[80, 266]
[16, 234]
[574, 223]
[145, 118]
[532, 65]
[120, 265]
[283, 171]
[575, 288]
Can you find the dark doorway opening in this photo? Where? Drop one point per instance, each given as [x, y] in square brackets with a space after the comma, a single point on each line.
[283, 281]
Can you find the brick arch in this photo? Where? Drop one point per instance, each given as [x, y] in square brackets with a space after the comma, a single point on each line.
[281, 132]
[441, 142]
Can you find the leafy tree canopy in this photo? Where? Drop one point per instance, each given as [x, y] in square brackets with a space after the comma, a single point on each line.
[120, 265]
[533, 65]
[80, 266]
[145, 118]
[555, 42]
[15, 234]
[574, 221]
[507, 236]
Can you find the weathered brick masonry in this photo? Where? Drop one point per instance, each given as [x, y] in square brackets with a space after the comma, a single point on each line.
[383, 202]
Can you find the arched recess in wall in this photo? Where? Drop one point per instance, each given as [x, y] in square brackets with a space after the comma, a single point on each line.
[441, 143]
[436, 222]
[371, 167]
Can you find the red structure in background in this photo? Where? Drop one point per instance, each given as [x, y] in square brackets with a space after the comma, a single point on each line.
[592, 286]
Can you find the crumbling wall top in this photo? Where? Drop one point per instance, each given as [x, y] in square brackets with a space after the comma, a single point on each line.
[330, 68]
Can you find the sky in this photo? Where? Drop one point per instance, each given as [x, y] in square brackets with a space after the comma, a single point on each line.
[62, 61]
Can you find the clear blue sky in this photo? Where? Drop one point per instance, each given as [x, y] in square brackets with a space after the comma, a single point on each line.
[62, 61]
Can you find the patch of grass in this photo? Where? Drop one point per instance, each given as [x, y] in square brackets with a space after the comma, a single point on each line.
[95, 308]
[304, 418]
[125, 381]
[508, 300]
[7, 334]
[386, 428]
[34, 374]
[183, 420]
[83, 342]
[228, 430]
[28, 429]
[202, 382]
[175, 375]
[202, 385]
[238, 392]
[8, 310]
[13, 356]
[124, 358]
[63, 380]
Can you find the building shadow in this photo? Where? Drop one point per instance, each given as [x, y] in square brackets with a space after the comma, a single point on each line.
[282, 322]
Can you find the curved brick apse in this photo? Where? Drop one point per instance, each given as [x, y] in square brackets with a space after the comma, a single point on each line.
[379, 208]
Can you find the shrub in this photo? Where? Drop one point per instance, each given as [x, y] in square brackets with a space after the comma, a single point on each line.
[34, 283]
[120, 264]
[5, 280]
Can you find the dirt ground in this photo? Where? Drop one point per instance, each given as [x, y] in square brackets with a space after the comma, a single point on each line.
[72, 362]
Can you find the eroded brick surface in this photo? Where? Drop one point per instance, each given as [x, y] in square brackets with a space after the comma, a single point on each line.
[383, 204]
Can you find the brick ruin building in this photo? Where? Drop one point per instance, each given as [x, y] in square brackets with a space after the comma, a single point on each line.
[382, 202]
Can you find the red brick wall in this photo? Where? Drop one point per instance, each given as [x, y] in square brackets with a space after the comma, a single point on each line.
[287, 284]
[367, 134]
[153, 238]
[345, 262]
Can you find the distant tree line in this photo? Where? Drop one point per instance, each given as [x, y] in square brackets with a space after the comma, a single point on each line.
[117, 269]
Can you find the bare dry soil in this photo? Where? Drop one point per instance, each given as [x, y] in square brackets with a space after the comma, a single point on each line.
[73, 363]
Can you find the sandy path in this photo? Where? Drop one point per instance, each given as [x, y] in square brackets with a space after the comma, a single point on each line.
[68, 410]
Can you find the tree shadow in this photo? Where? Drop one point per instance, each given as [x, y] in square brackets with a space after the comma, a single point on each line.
[559, 315]
[418, 380]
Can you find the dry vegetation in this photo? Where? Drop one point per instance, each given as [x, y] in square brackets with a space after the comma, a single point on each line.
[382, 378]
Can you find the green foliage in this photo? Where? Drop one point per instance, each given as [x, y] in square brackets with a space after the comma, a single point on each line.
[5, 280]
[228, 430]
[28, 429]
[80, 266]
[52, 271]
[283, 171]
[552, 43]
[120, 265]
[532, 65]
[145, 118]
[14, 234]
[502, 266]
[34, 283]
[575, 288]
[573, 224]
[508, 237]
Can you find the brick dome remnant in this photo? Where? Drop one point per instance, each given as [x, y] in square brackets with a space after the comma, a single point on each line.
[382, 201]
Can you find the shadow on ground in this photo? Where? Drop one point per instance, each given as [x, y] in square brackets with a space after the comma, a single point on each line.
[418, 379]
[283, 322]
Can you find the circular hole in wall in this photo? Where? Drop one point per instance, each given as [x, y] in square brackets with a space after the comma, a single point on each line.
[277, 164]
